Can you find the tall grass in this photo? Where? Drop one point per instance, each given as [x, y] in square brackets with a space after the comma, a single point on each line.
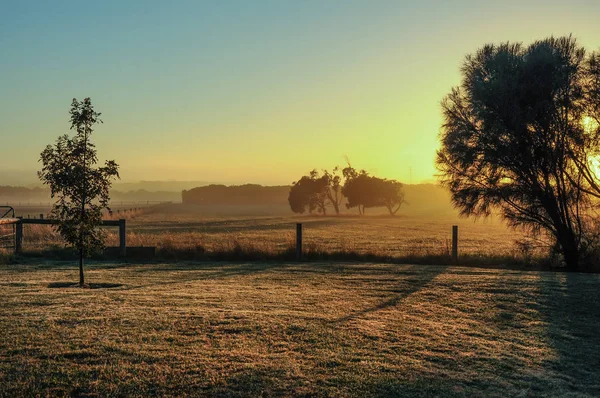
[44, 241]
[188, 236]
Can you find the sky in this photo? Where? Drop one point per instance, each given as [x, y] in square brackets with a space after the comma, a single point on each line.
[252, 91]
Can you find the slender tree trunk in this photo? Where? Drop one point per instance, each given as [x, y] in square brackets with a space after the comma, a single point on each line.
[83, 199]
[81, 278]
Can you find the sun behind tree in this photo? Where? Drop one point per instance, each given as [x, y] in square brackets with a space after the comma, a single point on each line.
[81, 189]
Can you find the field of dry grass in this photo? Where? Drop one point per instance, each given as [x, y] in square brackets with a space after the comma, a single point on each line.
[297, 329]
[177, 229]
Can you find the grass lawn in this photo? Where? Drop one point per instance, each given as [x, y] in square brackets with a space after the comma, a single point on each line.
[297, 329]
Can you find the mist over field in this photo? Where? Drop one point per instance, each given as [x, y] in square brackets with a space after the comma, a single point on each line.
[420, 198]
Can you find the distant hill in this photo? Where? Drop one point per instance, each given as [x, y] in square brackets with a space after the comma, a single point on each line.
[12, 195]
[156, 186]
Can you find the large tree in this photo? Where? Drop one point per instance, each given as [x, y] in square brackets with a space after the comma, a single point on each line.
[81, 188]
[357, 189]
[513, 138]
[363, 190]
[334, 188]
[310, 192]
[391, 194]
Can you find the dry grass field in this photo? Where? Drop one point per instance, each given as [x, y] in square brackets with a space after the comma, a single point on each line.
[266, 329]
[176, 229]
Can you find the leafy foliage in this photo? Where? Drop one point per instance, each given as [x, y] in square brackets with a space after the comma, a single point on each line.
[364, 191]
[334, 190]
[513, 139]
[81, 189]
[361, 190]
[310, 192]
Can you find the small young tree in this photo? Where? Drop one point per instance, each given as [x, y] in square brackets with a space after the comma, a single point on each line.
[81, 189]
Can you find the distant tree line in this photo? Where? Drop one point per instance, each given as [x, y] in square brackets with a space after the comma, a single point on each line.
[15, 195]
[10, 193]
[319, 191]
[247, 194]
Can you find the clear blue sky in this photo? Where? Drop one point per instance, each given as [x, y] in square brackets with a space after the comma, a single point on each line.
[257, 91]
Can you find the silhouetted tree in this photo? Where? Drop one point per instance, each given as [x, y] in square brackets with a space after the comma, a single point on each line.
[356, 189]
[513, 140]
[391, 195]
[364, 191]
[585, 155]
[334, 188]
[82, 189]
[320, 196]
[310, 192]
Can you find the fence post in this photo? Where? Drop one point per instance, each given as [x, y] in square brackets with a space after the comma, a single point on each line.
[19, 236]
[122, 238]
[455, 244]
[298, 241]
[41, 216]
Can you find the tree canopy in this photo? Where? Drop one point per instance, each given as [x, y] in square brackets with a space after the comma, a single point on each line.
[363, 191]
[319, 191]
[514, 138]
[310, 193]
[81, 189]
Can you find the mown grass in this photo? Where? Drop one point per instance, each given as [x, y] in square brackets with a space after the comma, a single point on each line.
[321, 329]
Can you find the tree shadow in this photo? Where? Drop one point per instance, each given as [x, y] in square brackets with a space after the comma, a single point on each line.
[206, 271]
[270, 381]
[415, 282]
[570, 304]
[95, 285]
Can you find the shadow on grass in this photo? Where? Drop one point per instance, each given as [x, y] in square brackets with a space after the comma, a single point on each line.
[570, 303]
[101, 285]
[415, 282]
[261, 381]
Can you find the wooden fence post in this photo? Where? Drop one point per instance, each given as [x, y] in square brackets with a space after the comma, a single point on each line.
[19, 236]
[455, 244]
[298, 241]
[122, 238]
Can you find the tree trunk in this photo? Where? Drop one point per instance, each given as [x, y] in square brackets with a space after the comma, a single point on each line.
[570, 249]
[81, 279]
[570, 253]
[336, 207]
